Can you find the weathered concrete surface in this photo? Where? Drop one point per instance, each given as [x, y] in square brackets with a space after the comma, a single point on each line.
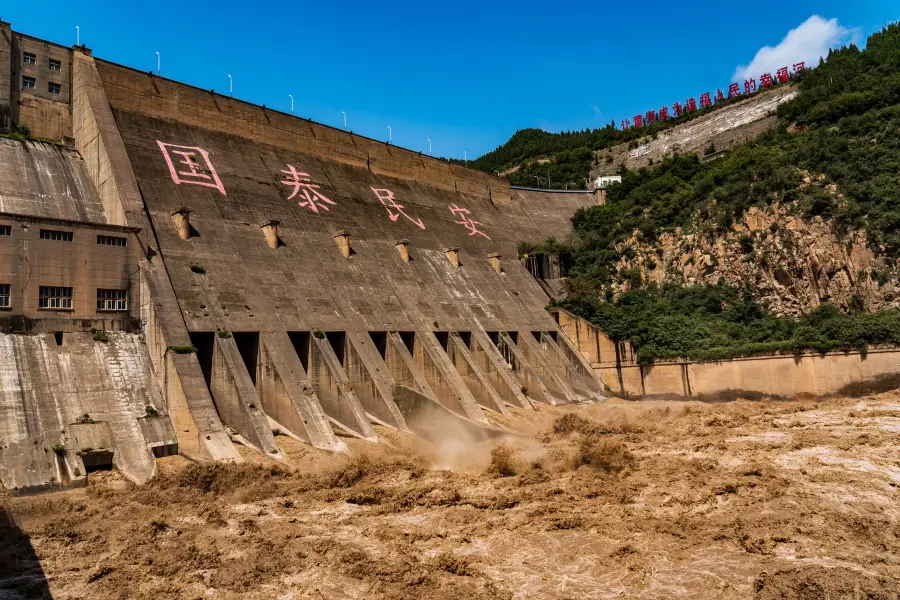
[197, 424]
[371, 379]
[46, 180]
[287, 394]
[45, 388]
[436, 422]
[235, 396]
[334, 389]
[833, 374]
[473, 376]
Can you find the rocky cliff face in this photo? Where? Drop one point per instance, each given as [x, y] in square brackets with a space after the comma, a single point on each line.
[793, 264]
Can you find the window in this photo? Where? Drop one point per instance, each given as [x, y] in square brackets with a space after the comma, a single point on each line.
[55, 65]
[4, 295]
[59, 298]
[28, 83]
[53, 234]
[5, 229]
[116, 300]
[108, 240]
[54, 88]
[28, 58]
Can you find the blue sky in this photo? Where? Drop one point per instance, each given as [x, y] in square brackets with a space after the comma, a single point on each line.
[465, 74]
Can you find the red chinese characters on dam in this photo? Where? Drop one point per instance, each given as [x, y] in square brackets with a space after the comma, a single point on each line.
[387, 200]
[191, 165]
[304, 187]
[470, 224]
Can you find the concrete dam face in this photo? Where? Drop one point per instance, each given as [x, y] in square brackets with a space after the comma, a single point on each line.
[188, 270]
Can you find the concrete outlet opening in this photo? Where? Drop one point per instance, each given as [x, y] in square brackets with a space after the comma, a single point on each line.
[248, 346]
[300, 341]
[379, 338]
[204, 343]
[338, 341]
[444, 338]
[466, 337]
[409, 340]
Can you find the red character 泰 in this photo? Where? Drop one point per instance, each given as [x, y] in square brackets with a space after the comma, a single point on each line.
[302, 185]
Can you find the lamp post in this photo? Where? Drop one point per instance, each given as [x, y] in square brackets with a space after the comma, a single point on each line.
[345, 119]
[158, 63]
[230, 86]
[292, 103]
[465, 158]
[537, 180]
[77, 35]
[429, 145]
[390, 134]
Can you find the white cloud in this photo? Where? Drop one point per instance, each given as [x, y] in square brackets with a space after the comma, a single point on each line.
[806, 43]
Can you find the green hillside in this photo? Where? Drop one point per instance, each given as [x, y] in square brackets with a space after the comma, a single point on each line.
[843, 127]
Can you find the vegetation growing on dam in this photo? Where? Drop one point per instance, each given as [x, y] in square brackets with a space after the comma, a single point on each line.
[835, 154]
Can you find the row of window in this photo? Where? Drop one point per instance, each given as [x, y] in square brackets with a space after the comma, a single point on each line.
[68, 236]
[5, 229]
[57, 297]
[29, 83]
[30, 58]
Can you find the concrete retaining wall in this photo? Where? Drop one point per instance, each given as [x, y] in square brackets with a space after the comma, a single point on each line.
[836, 373]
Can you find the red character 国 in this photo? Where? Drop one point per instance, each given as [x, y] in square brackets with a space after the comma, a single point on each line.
[191, 165]
[303, 186]
[650, 117]
[765, 80]
[799, 66]
[782, 75]
[690, 105]
[705, 100]
[734, 90]
[638, 121]
[465, 221]
[664, 113]
[749, 86]
[387, 200]
[677, 109]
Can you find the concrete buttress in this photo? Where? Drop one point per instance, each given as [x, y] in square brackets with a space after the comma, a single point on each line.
[334, 389]
[477, 382]
[235, 396]
[371, 379]
[494, 366]
[443, 377]
[97, 137]
[287, 395]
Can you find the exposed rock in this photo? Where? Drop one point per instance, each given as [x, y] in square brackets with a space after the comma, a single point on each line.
[794, 265]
